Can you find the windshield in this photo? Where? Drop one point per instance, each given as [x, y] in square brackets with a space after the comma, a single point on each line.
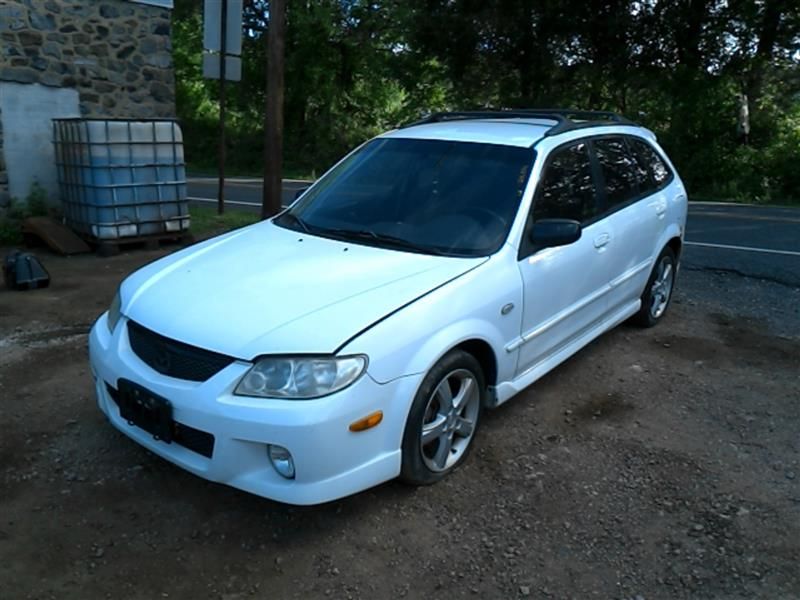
[429, 196]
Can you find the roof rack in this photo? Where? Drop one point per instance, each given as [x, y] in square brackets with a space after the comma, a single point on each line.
[566, 119]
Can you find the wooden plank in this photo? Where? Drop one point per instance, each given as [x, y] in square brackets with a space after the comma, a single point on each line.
[58, 237]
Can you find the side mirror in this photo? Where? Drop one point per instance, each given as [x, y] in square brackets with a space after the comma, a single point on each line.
[547, 233]
[300, 192]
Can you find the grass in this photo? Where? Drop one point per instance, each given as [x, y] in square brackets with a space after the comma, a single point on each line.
[206, 222]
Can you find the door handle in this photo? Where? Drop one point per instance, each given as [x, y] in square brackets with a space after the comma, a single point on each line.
[601, 240]
[661, 207]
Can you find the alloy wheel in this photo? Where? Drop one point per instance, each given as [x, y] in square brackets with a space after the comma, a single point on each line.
[662, 287]
[449, 421]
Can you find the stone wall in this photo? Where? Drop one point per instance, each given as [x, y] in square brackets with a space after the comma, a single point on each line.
[117, 54]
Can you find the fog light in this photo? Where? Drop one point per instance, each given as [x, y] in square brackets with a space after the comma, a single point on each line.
[281, 460]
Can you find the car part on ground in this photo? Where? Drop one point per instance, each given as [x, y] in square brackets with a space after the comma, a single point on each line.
[23, 271]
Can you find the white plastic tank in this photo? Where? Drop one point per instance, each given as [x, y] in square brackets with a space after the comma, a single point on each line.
[121, 178]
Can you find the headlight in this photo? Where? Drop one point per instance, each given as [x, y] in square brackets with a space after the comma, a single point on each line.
[114, 313]
[300, 378]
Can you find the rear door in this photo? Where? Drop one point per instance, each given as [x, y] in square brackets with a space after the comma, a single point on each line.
[563, 286]
[634, 212]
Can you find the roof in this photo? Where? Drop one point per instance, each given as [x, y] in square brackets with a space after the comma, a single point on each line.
[508, 132]
[510, 127]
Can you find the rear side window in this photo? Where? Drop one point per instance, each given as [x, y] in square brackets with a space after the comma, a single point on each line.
[640, 170]
[567, 189]
[619, 170]
[657, 168]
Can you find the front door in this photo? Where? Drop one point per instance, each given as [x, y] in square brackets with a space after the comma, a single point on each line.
[564, 287]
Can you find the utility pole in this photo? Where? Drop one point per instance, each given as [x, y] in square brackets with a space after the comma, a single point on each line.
[273, 115]
[221, 154]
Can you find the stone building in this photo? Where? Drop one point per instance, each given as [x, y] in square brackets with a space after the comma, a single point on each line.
[75, 58]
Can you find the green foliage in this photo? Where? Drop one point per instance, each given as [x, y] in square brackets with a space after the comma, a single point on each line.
[356, 68]
[34, 205]
[206, 222]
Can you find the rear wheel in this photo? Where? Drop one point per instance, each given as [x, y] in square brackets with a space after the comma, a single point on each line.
[658, 291]
[443, 419]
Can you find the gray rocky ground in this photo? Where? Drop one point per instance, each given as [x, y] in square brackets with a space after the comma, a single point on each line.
[661, 463]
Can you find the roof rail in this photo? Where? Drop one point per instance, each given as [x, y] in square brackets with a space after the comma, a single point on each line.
[566, 119]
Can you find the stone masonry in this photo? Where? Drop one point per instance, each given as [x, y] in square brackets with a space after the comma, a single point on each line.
[116, 53]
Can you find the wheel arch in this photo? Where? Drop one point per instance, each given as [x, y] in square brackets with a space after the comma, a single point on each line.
[484, 354]
[676, 245]
[671, 238]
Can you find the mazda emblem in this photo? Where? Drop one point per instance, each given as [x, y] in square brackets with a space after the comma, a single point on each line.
[162, 360]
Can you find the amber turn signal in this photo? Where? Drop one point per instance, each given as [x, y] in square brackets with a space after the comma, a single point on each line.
[367, 422]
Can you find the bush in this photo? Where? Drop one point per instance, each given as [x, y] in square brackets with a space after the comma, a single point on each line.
[34, 205]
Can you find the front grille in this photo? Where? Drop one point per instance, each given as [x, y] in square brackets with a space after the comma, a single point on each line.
[193, 439]
[173, 358]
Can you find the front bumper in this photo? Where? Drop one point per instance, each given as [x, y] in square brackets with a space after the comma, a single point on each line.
[330, 461]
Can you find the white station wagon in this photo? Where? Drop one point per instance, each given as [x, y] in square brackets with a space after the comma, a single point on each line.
[437, 270]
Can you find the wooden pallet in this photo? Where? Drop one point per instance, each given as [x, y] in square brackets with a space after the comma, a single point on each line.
[106, 248]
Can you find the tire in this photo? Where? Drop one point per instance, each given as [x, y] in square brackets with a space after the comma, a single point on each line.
[438, 435]
[658, 291]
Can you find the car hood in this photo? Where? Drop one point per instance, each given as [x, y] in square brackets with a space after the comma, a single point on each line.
[265, 289]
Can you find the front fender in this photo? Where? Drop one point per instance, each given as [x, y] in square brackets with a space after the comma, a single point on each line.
[410, 341]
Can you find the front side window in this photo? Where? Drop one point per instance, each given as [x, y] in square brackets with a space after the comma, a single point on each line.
[619, 170]
[428, 196]
[567, 189]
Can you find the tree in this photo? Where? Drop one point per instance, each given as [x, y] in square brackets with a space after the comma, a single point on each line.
[273, 113]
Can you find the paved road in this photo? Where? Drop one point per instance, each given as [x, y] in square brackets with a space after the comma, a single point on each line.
[241, 192]
[753, 241]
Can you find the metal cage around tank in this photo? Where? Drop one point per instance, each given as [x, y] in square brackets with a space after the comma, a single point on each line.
[121, 179]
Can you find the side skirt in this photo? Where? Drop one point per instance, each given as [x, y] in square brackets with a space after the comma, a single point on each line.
[508, 389]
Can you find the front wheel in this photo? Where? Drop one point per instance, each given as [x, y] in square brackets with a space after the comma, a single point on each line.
[658, 291]
[443, 419]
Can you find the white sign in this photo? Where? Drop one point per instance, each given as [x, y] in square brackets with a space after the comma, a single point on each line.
[211, 66]
[212, 26]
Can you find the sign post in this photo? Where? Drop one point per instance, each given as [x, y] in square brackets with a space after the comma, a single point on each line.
[221, 151]
[222, 43]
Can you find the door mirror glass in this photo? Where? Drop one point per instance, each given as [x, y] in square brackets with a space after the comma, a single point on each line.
[547, 233]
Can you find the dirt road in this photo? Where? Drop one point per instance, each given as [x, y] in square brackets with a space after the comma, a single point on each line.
[658, 464]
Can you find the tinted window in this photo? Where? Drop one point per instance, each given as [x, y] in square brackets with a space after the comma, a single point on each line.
[648, 156]
[429, 196]
[640, 170]
[567, 189]
[619, 170]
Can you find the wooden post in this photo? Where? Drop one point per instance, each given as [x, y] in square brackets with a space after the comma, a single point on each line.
[221, 154]
[273, 116]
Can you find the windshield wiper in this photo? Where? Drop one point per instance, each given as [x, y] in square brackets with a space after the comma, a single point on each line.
[383, 238]
[295, 219]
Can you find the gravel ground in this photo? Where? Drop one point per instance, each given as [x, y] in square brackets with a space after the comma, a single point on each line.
[659, 463]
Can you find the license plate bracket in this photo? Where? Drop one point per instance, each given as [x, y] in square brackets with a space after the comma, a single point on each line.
[146, 410]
